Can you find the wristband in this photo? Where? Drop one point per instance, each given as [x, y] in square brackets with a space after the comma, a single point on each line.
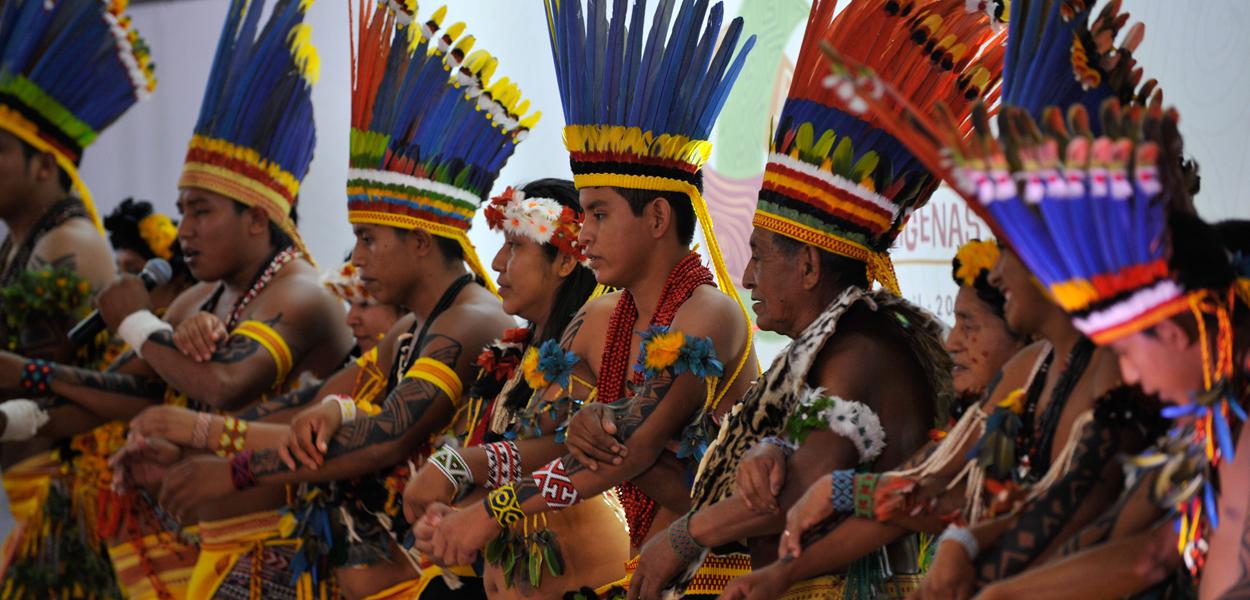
[556, 486]
[844, 491]
[963, 536]
[680, 540]
[866, 495]
[23, 419]
[449, 462]
[199, 433]
[241, 471]
[502, 505]
[347, 407]
[787, 446]
[36, 376]
[138, 327]
[232, 437]
[503, 464]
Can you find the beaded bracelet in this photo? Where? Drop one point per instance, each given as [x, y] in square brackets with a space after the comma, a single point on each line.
[453, 466]
[347, 407]
[36, 376]
[844, 491]
[556, 486]
[503, 464]
[865, 495]
[963, 536]
[788, 447]
[199, 433]
[680, 540]
[232, 437]
[502, 505]
[241, 471]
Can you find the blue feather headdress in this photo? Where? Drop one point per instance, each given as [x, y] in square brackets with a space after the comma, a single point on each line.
[68, 70]
[255, 135]
[835, 178]
[430, 130]
[640, 101]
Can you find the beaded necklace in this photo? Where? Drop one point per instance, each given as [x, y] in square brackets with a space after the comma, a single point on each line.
[684, 279]
[262, 280]
[1033, 444]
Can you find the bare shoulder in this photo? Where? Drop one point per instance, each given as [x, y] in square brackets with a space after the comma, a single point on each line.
[597, 309]
[298, 295]
[711, 312]
[78, 245]
[189, 302]
[1105, 368]
[1017, 369]
[473, 322]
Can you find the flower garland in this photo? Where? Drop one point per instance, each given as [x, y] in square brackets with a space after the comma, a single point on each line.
[540, 219]
[847, 418]
[548, 364]
[663, 350]
[42, 293]
[345, 283]
[159, 233]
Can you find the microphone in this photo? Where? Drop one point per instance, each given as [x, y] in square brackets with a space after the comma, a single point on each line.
[156, 272]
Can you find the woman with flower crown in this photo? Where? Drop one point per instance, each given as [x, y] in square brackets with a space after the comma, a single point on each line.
[513, 422]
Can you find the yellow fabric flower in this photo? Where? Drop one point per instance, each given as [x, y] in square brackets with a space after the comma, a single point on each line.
[529, 367]
[1014, 401]
[975, 257]
[663, 350]
[286, 525]
[159, 233]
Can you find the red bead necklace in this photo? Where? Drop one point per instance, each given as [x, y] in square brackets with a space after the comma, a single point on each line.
[684, 279]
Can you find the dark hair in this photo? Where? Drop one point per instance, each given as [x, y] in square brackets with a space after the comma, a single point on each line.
[683, 210]
[123, 227]
[29, 152]
[278, 239]
[572, 293]
[847, 270]
[1206, 256]
[451, 249]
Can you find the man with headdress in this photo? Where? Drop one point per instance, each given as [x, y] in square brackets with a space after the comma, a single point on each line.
[413, 187]
[636, 158]
[58, 91]
[866, 376]
[238, 192]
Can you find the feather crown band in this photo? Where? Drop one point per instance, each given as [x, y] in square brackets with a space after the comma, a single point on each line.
[835, 177]
[640, 102]
[345, 283]
[68, 70]
[430, 128]
[540, 219]
[255, 135]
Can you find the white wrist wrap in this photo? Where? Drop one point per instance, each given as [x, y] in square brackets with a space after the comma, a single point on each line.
[347, 407]
[24, 420]
[138, 327]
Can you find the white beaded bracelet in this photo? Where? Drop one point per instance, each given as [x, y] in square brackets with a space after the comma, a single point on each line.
[347, 406]
[23, 418]
[138, 327]
[963, 536]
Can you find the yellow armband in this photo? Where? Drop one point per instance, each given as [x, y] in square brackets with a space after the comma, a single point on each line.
[272, 343]
[439, 374]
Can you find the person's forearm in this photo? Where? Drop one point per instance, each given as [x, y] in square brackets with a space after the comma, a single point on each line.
[1112, 570]
[110, 395]
[411, 413]
[851, 540]
[534, 453]
[67, 421]
[665, 482]
[216, 383]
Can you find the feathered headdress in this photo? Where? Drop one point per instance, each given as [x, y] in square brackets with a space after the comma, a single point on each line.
[68, 70]
[836, 178]
[639, 103]
[255, 135]
[430, 130]
[344, 282]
